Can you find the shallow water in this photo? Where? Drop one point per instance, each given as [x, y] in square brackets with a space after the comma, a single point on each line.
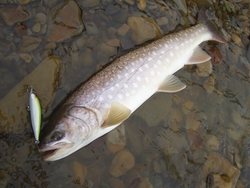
[187, 139]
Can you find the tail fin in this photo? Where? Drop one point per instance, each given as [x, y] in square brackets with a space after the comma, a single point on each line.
[202, 18]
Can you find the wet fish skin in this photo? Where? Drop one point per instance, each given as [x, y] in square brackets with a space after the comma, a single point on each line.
[109, 97]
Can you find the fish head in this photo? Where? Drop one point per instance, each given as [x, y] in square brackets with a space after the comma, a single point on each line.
[67, 133]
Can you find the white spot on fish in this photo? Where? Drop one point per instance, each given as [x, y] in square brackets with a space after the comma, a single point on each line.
[147, 66]
[154, 53]
[159, 62]
[120, 96]
[150, 58]
[140, 69]
[138, 78]
[126, 85]
[135, 85]
[126, 74]
[110, 96]
[127, 94]
[152, 72]
[146, 79]
[171, 54]
[117, 85]
[141, 59]
[177, 47]
[162, 52]
[101, 99]
[166, 45]
[112, 88]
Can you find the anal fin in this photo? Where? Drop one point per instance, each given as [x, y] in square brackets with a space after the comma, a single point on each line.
[171, 84]
[198, 56]
[116, 115]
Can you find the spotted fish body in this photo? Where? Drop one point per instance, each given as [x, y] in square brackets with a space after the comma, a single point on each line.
[110, 96]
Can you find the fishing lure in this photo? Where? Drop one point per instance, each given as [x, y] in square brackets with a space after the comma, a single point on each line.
[35, 113]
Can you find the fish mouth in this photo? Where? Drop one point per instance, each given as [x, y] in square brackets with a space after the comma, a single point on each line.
[48, 152]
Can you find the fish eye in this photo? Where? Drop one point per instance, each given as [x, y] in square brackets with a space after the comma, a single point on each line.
[56, 136]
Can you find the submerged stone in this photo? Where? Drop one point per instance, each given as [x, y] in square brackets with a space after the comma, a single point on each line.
[65, 22]
[12, 14]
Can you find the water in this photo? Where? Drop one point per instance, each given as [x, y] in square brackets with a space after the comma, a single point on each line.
[173, 138]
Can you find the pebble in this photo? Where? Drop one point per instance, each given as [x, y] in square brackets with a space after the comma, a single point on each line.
[36, 28]
[121, 163]
[115, 183]
[116, 139]
[122, 31]
[89, 3]
[204, 69]
[145, 184]
[141, 4]
[236, 38]
[142, 30]
[80, 171]
[212, 143]
[50, 46]
[12, 14]
[91, 28]
[29, 43]
[21, 30]
[41, 18]
[162, 21]
[114, 42]
[26, 57]
[23, 2]
[209, 84]
[187, 107]
[121, 16]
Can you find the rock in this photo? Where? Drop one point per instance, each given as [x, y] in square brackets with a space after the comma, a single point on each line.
[204, 69]
[29, 43]
[236, 38]
[209, 84]
[89, 3]
[159, 101]
[116, 139]
[248, 53]
[114, 42]
[91, 28]
[175, 117]
[23, 2]
[121, 163]
[21, 30]
[50, 46]
[12, 14]
[26, 57]
[187, 107]
[141, 4]
[145, 184]
[162, 21]
[41, 18]
[218, 165]
[122, 31]
[115, 183]
[14, 117]
[112, 9]
[121, 16]
[220, 181]
[65, 22]
[142, 29]
[36, 28]
[212, 143]
[80, 171]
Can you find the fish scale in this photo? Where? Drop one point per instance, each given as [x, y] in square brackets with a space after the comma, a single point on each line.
[113, 94]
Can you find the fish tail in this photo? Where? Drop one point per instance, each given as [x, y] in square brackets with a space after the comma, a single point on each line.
[216, 34]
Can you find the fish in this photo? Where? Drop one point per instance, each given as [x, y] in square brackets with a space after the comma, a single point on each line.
[35, 113]
[109, 97]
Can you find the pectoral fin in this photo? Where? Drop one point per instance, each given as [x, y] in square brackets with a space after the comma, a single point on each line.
[198, 56]
[117, 114]
[171, 84]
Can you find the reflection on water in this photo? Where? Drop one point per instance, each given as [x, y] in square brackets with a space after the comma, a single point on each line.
[195, 138]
